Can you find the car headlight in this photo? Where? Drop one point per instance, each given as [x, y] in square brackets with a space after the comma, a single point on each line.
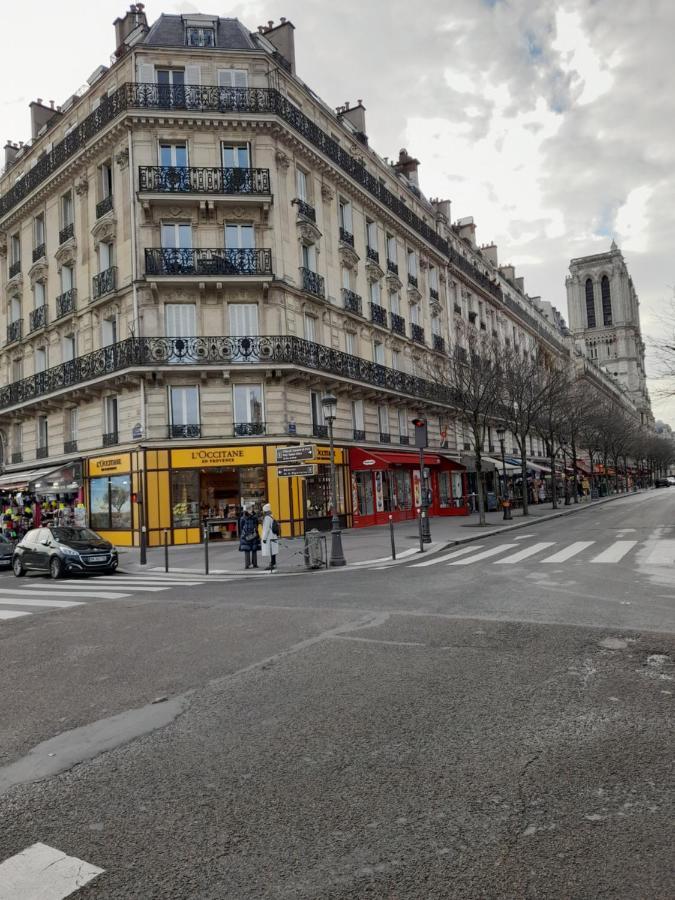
[68, 551]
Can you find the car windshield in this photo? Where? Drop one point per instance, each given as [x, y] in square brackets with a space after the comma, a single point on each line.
[4, 540]
[74, 534]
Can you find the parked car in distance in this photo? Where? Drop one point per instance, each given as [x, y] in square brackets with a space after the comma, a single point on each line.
[59, 550]
[662, 482]
[6, 551]
[671, 480]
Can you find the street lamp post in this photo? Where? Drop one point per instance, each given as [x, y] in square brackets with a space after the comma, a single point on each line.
[506, 501]
[566, 484]
[337, 558]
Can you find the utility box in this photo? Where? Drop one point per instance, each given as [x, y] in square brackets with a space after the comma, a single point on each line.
[315, 549]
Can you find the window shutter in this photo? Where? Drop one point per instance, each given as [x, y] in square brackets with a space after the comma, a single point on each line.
[146, 73]
[193, 75]
[240, 77]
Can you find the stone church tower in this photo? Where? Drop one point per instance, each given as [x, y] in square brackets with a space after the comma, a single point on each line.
[604, 317]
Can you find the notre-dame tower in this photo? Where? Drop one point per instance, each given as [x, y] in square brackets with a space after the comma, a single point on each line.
[604, 316]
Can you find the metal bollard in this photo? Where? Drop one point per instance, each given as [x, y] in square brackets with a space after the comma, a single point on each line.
[206, 549]
[391, 534]
[166, 550]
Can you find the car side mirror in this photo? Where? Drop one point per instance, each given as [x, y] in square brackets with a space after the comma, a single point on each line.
[46, 542]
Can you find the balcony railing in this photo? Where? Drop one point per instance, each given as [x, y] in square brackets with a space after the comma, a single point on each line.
[110, 439]
[417, 333]
[14, 330]
[66, 232]
[346, 237]
[412, 280]
[373, 254]
[312, 282]
[39, 251]
[397, 324]
[249, 429]
[70, 446]
[219, 351]
[104, 282]
[359, 434]
[17, 456]
[392, 267]
[233, 262]
[42, 452]
[433, 295]
[378, 314]
[37, 317]
[65, 303]
[385, 437]
[438, 343]
[320, 431]
[14, 268]
[185, 431]
[352, 301]
[403, 439]
[304, 209]
[104, 206]
[203, 180]
[457, 309]
[472, 317]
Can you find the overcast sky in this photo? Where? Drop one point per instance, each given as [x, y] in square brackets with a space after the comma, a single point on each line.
[551, 123]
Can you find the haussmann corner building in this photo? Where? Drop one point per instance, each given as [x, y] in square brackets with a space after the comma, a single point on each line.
[197, 249]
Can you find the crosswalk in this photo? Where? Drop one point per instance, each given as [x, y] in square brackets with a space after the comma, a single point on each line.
[33, 595]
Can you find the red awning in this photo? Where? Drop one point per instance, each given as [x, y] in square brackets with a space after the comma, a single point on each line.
[383, 459]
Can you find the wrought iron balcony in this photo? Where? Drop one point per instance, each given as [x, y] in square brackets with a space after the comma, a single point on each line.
[14, 268]
[352, 301]
[104, 206]
[373, 254]
[39, 251]
[203, 180]
[304, 209]
[378, 314]
[104, 282]
[249, 429]
[110, 439]
[359, 434]
[184, 431]
[403, 439]
[483, 326]
[233, 262]
[42, 452]
[397, 323]
[433, 295]
[346, 237]
[37, 318]
[14, 330]
[320, 431]
[70, 446]
[457, 309]
[438, 343]
[412, 280]
[312, 282]
[66, 233]
[65, 303]
[17, 456]
[417, 333]
[392, 267]
[472, 317]
[385, 437]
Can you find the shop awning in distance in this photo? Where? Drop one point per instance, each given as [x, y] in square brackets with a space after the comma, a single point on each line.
[56, 481]
[19, 481]
[497, 464]
[385, 459]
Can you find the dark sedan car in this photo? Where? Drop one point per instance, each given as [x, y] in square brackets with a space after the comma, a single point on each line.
[60, 550]
[6, 551]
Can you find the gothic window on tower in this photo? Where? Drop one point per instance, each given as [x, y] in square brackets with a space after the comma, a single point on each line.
[590, 303]
[606, 301]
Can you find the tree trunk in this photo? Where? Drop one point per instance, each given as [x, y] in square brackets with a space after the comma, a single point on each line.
[591, 480]
[554, 481]
[605, 476]
[481, 492]
[575, 471]
[523, 471]
[616, 474]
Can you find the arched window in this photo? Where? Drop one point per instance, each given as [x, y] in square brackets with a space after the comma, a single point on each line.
[606, 301]
[590, 303]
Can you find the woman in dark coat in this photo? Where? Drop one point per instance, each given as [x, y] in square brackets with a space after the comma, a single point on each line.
[249, 539]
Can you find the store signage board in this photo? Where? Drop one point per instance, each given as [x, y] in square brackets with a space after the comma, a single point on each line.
[296, 454]
[323, 455]
[109, 465]
[213, 457]
[296, 471]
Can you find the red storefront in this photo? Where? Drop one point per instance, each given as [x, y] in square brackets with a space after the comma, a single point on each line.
[387, 483]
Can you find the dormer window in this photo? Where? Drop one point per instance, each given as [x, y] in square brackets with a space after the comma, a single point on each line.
[200, 37]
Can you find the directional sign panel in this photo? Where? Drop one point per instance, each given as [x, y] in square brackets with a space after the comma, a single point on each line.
[291, 471]
[295, 454]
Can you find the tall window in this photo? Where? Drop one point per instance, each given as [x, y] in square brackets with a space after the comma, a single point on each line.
[414, 313]
[403, 422]
[17, 437]
[378, 352]
[236, 156]
[396, 360]
[310, 328]
[68, 348]
[109, 331]
[173, 154]
[40, 359]
[70, 424]
[248, 404]
[435, 325]
[180, 319]
[17, 369]
[39, 230]
[15, 249]
[243, 319]
[38, 294]
[14, 309]
[309, 257]
[391, 248]
[110, 415]
[350, 342]
[371, 235]
[606, 301]
[185, 419]
[200, 37]
[358, 418]
[315, 398]
[240, 237]
[412, 264]
[590, 303]
[233, 78]
[345, 216]
[106, 180]
[105, 256]
[383, 419]
[67, 209]
[42, 432]
[375, 293]
[395, 303]
[176, 234]
[66, 279]
[301, 185]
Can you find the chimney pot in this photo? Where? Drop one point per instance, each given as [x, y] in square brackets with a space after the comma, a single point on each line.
[282, 19]
[39, 100]
[51, 103]
[270, 23]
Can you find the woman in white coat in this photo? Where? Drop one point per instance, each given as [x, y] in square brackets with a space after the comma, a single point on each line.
[270, 541]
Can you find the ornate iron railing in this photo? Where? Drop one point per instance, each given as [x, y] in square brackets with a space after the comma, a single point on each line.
[378, 314]
[39, 251]
[392, 267]
[104, 206]
[472, 317]
[385, 437]
[233, 262]
[66, 232]
[417, 333]
[304, 209]
[14, 330]
[312, 282]
[433, 295]
[373, 254]
[279, 350]
[203, 180]
[359, 434]
[17, 456]
[104, 282]
[403, 439]
[320, 431]
[438, 343]
[70, 446]
[14, 268]
[397, 323]
[412, 280]
[110, 439]
[346, 237]
[185, 431]
[352, 301]
[41, 452]
[65, 303]
[249, 429]
[37, 318]
[457, 309]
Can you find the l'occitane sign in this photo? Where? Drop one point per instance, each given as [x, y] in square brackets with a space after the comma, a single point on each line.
[204, 457]
[109, 465]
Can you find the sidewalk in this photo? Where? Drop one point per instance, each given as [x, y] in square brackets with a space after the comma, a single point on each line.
[361, 546]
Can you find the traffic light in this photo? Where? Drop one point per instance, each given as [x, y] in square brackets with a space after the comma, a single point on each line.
[420, 432]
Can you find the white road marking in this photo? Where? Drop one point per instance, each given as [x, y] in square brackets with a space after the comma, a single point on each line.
[568, 552]
[523, 554]
[486, 554]
[440, 559]
[100, 595]
[23, 601]
[521, 537]
[41, 872]
[11, 614]
[615, 552]
[661, 554]
[381, 559]
[66, 586]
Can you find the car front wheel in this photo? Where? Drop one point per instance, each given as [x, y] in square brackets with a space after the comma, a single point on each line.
[18, 569]
[55, 567]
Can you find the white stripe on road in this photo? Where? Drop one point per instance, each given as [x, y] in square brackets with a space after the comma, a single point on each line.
[568, 552]
[662, 553]
[486, 554]
[22, 601]
[521, 537]
[11, 614]
[67, 586]
[41, 872]
[440, 559]
[99, 595]
[523, 554]
[615, 552]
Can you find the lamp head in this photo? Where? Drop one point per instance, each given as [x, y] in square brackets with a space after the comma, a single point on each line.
[329, 406]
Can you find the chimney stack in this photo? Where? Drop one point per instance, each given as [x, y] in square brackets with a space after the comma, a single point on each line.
[40, 115]
[282, 38]
[356, 115]
[467, 229]
[489, 251]
[10, 154]
[408, 166]
[443, 208]
[128, 23]
[508, 272]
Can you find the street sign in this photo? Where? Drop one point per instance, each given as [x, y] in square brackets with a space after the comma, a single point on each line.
[291, 471]
[295, 454]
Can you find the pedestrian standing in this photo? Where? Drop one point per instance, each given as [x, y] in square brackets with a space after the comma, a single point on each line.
[270, 537]
[249, 539]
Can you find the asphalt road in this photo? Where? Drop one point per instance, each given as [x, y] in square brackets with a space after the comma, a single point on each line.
[496, 728]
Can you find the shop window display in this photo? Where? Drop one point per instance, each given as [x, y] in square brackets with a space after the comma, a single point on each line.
[185, 499]
[110, 500]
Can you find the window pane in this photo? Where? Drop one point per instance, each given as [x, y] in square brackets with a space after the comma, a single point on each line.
[185, 499]
[247, 403]
[99, 503]
[120, 501]
[180, 319]
[184, 406]
[243, 319]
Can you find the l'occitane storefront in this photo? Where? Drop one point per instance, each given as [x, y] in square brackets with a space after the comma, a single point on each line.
[112, 481]
[185, 486]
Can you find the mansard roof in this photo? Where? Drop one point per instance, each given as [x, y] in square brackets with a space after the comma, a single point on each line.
[169, 31]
